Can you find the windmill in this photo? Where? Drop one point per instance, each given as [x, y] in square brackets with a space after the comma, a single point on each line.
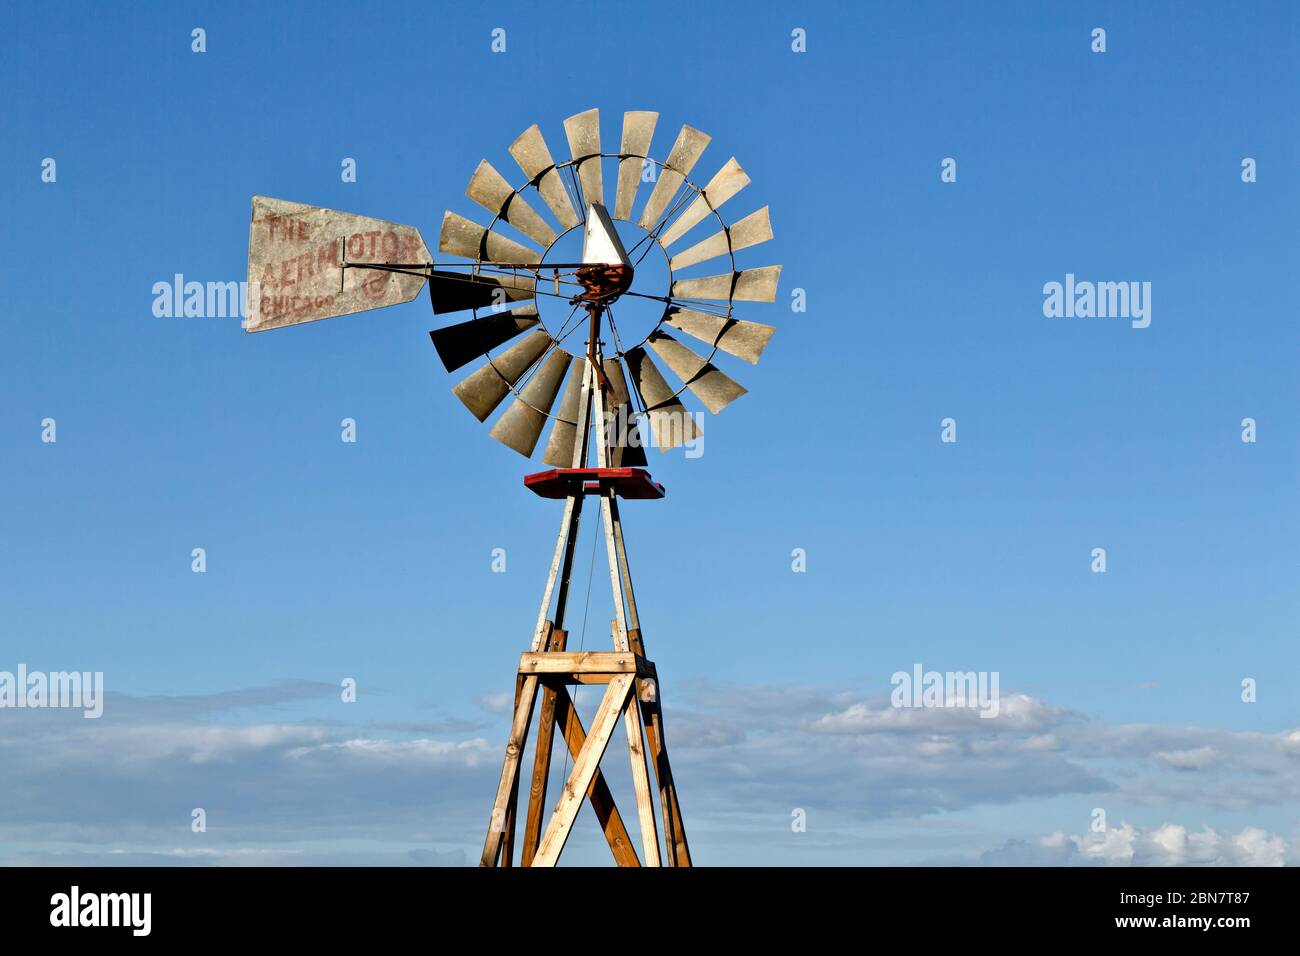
[527, 303]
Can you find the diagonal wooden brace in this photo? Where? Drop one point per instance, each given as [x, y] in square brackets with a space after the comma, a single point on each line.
[584, 768]
[602, 801]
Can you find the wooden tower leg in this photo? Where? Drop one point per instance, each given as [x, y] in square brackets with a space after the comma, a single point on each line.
[648, 697]
[508, 829]
[509, 770]
[645, 807]
[679, 853]
[541, 760]
[640, 776]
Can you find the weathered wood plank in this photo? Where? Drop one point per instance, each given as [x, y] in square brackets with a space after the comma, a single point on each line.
[509, 770]
[541, 759]
[508, 831]
[582, 662]
[645, 806]
[679, 853]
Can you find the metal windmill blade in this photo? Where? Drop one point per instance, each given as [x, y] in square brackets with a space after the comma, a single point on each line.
[521, 425]
[534, 158]
[681, 160]
[624, 434]
[745, 340]
[670, 423]
[490, 190]
[728, 181]
[466, 238]
[712, 387]
[458, 291]
[460, 344]
[564, 433]
[583, 132]
[749, 285]
[638, 130]
[750, 231]
[482, 391]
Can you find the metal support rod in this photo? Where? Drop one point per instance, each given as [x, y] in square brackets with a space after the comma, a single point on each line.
[566, 542]
[594, 356]
[606, 497]
[633, 619]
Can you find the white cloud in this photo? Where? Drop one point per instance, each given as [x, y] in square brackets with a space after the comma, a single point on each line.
[1018, 713]
[438, 753]
[501, 703]
[1167, 845]
[1196, 758]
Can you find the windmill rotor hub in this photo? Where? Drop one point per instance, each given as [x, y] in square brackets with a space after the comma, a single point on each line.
[606, 272]
[603, 283]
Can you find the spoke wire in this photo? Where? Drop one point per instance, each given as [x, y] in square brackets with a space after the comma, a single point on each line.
[618, 343]
[707, 307]
[572, 170]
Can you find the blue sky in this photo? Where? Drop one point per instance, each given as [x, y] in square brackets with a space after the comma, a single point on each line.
[372, 560]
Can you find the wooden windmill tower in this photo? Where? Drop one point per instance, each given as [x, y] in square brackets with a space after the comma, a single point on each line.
[308, 263]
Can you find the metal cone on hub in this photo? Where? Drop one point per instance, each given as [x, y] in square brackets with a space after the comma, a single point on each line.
[606, 272]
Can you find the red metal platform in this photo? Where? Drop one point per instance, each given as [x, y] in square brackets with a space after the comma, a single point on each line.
[626, 482]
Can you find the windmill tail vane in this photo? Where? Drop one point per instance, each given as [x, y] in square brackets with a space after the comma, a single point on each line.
[307, 263]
